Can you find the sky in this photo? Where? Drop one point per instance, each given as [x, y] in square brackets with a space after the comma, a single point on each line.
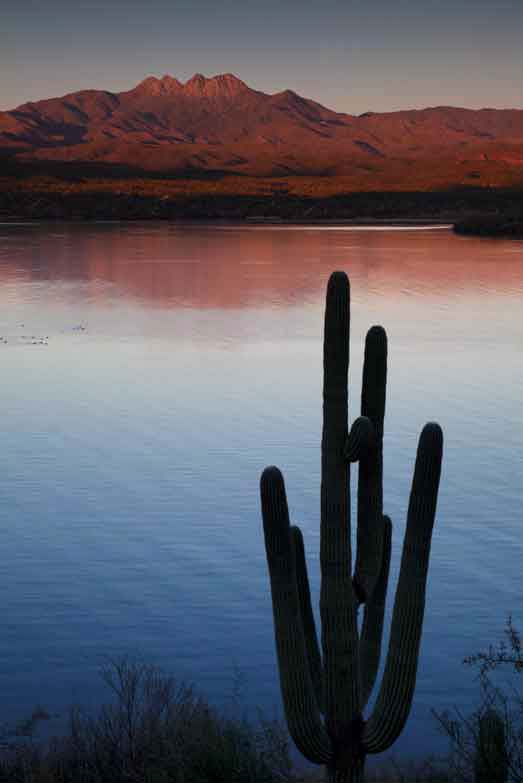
[351, 55]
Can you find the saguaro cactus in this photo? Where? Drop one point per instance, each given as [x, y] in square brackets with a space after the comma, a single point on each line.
[491, 762]
[325, 692]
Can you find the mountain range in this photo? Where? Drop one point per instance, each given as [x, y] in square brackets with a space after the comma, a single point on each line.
[221, 125]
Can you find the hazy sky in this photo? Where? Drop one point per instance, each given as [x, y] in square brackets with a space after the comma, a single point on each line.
[351, 55]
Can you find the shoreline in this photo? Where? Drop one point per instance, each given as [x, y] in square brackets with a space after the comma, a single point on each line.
[474, 212]
[416, 224]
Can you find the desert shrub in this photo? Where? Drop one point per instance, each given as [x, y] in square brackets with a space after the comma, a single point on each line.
[499, 757]
[152, 730]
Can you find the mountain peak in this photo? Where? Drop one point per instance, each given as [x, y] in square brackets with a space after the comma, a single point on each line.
[170, 82]
[154, 86]
[222, 84]
[197, 78]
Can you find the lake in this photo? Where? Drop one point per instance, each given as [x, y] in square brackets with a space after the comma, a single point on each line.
[151, 371]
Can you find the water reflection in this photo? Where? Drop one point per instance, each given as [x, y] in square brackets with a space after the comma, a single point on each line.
[205, 267]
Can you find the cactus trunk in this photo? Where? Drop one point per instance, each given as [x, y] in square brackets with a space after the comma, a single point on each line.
[325, 688]
[352, 774]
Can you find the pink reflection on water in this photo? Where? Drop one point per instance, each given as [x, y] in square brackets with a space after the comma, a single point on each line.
[207, 267]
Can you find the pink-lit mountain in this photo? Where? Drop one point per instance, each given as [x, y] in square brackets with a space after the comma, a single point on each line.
[221, 124]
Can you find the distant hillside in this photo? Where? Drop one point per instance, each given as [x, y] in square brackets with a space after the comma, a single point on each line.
[219, 125]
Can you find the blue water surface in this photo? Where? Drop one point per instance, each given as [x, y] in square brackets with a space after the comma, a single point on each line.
[150, 372]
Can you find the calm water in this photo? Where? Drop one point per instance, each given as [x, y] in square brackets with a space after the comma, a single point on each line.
[150, 372]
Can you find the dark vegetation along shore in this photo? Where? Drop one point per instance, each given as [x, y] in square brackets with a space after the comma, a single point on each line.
[87, 191]
[508, 226]
[479, 211]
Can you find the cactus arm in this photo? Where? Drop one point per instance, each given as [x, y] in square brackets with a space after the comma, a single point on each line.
[397, 689]
[370, 474]
[299, 701]
[372, 629]
[337, 603]
[373, 390]
[361, 439]
[307, 617]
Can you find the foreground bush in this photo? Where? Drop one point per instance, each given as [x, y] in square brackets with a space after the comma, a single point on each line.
[487, 744]
[152, 731]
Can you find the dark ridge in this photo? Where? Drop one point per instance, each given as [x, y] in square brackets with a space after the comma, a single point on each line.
[75, 110]
[364, 145]
[71, 171]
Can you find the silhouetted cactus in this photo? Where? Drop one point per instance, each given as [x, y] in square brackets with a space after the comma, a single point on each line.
[325, 693]
[491, 763]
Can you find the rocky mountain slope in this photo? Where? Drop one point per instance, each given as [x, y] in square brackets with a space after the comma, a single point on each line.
[220, 125]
